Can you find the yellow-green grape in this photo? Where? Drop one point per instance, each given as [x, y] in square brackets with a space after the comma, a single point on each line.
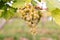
[35, 12]
[34, 17]
[21, 11]
[27, 18]
[29, 23]
[28, 6]
[32, 9]
[26, 10]
[31, 13]
[34, 31]
[33, 25]
[23, 14]
[37, 16]
[30, 17]
[24, 17]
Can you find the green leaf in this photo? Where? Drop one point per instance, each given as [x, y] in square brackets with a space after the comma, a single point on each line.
[9, 13]
[56, 15]
[1, 12]
[39, 0]
[33, 3]
[52, 4]
[54, 7]
[20, 3]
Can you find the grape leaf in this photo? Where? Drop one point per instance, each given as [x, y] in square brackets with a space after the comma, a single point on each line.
[54, 7]
[56, 15]
[1, 12]
[9, 13]
[52, 4]
[39, 0]
[20, 3]
[34, 3]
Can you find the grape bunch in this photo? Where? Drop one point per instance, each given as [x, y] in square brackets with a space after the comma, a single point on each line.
[30, 14]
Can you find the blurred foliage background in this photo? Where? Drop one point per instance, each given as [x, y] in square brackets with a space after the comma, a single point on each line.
[16, 29]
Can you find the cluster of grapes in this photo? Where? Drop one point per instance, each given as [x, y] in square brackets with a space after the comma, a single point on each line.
[31, 15]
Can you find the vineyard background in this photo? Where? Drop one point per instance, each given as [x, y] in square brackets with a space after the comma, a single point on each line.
[12, 27]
